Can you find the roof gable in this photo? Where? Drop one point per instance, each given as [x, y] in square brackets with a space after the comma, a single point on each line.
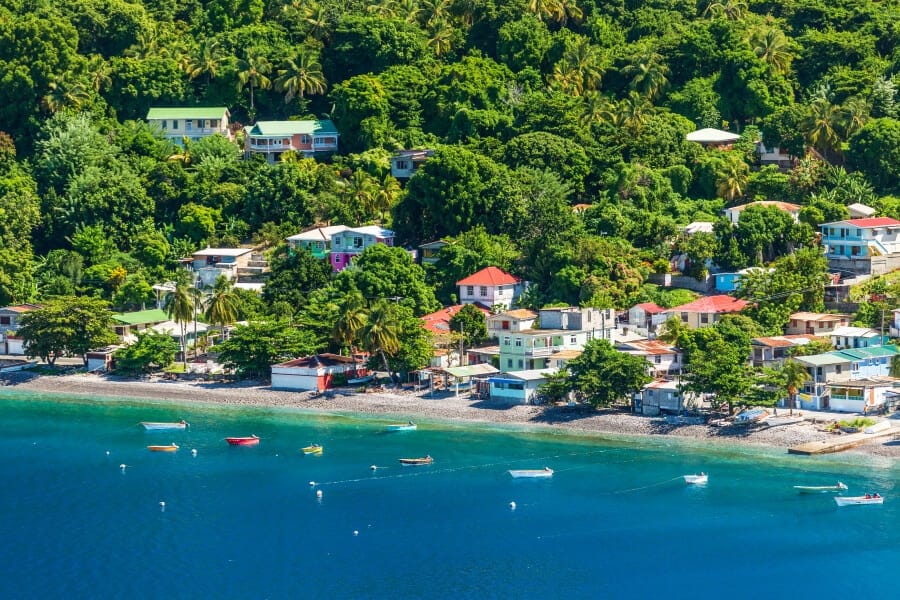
[866, 223]
[187, 112]
[321, 127]
[491, 276]
[721, 303]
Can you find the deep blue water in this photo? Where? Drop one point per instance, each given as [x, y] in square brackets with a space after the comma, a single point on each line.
[615, 521]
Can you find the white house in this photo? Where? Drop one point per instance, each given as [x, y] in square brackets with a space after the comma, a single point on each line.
[9, 324]
[490, 286]
[855, 337]
[405, 163]
[663, 359]
[211, 263]
[511, 321]
[646, 315]
[862, 395]
[662, 396]
[193, 123]
[770, 351]
[734, 213]
[862, 245]
[860, 211]
[519, 387]
[773, 156]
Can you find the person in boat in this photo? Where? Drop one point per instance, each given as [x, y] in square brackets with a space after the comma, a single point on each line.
[868, 496]
[876, 495]
[702, 474]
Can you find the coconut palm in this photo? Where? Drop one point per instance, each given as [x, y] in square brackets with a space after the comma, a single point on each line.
[65, 93]
[222, 304]
[353, 317]
[96, 70]
[381, 334]
[440, 37]
[316, 17]
[854, 115]
[648, 74]
[793, 376]
[731, 10]
[580, 69]
[568, 9]
[362, 190]
[299, 75]
[731, 181]
[821, 127]
[252, 71]
[205, 61]
[179, 305]
[387, 195]
[545, 9]
[772, 46]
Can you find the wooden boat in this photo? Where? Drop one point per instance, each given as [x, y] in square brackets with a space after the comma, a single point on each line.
[867, 499]
[820, 489]
[751, 416]
[699, 479]
[361, 380]
[401, 427]
[169, 448]
[153, 426]
[415, 462]
[312, 449]
[531, 473]
[243, 441]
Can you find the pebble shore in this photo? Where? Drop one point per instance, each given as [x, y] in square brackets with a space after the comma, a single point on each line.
[446, 407]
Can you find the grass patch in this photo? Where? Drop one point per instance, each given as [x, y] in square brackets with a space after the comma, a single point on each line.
[176, 367]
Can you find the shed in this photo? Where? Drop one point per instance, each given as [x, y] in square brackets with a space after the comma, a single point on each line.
[316, 372]
[519, 387]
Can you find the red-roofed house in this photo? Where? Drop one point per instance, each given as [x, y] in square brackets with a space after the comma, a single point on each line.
[869, 245]
[734, 213]
[9, 324]
[646, 315]
[438, 322]
[706, 311]
[488, 287]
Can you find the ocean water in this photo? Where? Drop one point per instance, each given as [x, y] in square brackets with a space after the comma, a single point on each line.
[615, 521]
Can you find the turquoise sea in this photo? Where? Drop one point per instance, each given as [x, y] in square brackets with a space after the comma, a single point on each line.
[615, 521]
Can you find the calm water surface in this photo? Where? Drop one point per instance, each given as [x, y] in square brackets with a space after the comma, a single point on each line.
[615, 521]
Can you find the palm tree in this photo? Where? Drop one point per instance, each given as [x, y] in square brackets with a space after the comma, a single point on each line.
[97, 70]
[731, 181]
[772, 46]
[387, 195]
[440, 37]
[179, 305]
[300, 75]
[821, 125]
[316, 17]
[731, 10]
[854, 115]
[352, 319]
[206, 61]
[648, 74]
[793, 376]
[252, 71]
[568, 9]
[222, 306]
[66, 93]
[362, 189]
[381, 334]
[580, 69]
[545, 9]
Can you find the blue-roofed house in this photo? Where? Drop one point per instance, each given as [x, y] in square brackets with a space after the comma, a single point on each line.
[273, 138]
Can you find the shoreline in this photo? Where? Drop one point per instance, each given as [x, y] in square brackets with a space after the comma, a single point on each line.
[407, 404]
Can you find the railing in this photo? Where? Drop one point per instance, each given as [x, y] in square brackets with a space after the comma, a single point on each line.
[279, 146]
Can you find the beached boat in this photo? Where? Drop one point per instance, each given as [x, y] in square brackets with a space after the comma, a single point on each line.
[867, 499]
[312, 449]
[531, 473]
[751, 416]
[401, 427]
[820, 489]
[154, 426]
[361, 380]
[243, 441]
[415, 462]
[877, 427]
[699, 479]
[169, 448]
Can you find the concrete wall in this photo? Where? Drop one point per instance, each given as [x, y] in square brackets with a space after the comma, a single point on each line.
[682, 281]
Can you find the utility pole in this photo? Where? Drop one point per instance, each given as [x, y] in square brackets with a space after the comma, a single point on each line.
[462, 339]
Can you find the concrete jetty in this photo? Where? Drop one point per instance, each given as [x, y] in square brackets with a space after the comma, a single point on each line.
[841, 443]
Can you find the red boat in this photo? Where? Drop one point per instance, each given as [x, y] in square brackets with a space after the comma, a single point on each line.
[243, 441]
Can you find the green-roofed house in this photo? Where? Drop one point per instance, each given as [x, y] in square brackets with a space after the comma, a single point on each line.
[191, 122]
[272, 138]
[840, 367]
[127, 324]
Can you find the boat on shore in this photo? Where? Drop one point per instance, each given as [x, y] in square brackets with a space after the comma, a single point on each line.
[699, 479]
[168, 448]
[751, 416]
[158, 426]
[821, 489]
[416, 462]
[531, 473]
[312, 449]
[853, 500]
[243, 441]
[361, 380]
[410, 426]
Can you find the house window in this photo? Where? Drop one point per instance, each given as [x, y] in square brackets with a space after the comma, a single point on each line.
[164, 122]
[509, 363]
[506, 341]
[573, 340]
[518, 342]
[357, 242]
[188, 125]
[470, 290]
[483, 290]
[854, 251]
[120, 330]
[5, 320]
[175, 124]
[304, 139]
[504, 325]
[521, 364]
[684, 317]
[402, 164]
[704, 318]
[657, 359]
[337, 241]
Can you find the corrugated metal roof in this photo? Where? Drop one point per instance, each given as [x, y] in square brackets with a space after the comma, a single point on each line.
[263, 128]
[471, 370]
[187, 112]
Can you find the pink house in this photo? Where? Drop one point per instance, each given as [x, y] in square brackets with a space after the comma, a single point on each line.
[349, 243]
[272, 138]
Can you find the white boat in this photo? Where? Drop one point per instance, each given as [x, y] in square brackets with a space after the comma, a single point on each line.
[877, 427]
[699, 479]
[361, 380]
[531, 473]
[410, 426]
[751, 416]
[867, 499]
[152, 426]
[820, 489]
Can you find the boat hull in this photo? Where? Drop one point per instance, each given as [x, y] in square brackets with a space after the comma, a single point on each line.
[150, 426]
[404, 427]
[312, 450]
[416, 462]
[696, 479]
[820, 489]
[243, 441]
[169, 448]
[856, 500]
[531, 473]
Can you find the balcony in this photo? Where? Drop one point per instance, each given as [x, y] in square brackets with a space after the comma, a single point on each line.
[269, 146]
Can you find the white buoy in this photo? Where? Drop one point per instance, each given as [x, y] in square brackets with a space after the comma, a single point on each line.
[318, 493]
[122, 466]
[312, 483]
[194, 452]
[162, 506]
[512, 505]
[374, 467]
[107, 452]
[355, 532]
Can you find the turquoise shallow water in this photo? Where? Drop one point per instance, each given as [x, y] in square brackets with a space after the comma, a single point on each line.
[614, 521]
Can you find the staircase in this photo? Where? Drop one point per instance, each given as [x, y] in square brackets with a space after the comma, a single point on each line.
[257, 269]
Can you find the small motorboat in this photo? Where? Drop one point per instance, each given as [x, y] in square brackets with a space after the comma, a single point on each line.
[243, 441]
[751, 416]
[410, 426]
[699, 479]
[531, 473]
[361, 380]
[153, 426]
[416, 462]
[867, 499]
[820, 489]
[169, 448]
[312, 449]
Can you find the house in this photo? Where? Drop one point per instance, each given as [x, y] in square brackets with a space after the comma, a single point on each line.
[101, 359]
[819, 324]
[520, 387]
[510, 321]
[559, 360]
[490, 286]
[860, 211]
[192, 122]
[317, 372]
[862, 395]
[405, 163]
[273, 138]
[663, 359]
[662, 396]
[428, 253]
[862, 246]
[733, 214]
[601, 322]
[211, 263]
[438, 322]
[10, 317]
[317, 241]
[713, 138]
[705, 311]
[560, 329]
[646, 315]
[731, 282]
[347, 244]
[483, 355]
[696, 227]
[773, 156]
[840, 365]
[126, 325]
[856, 337]
[771, 351]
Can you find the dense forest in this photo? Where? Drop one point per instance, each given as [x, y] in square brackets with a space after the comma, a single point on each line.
[533, 106]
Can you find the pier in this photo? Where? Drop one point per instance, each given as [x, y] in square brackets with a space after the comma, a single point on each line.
[841, 443]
